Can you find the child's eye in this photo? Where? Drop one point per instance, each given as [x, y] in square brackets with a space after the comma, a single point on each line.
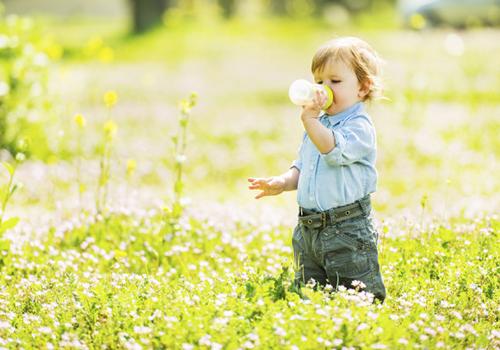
[319, 82]
[335, 81]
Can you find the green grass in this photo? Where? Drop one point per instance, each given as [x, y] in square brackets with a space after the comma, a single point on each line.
[129, 279]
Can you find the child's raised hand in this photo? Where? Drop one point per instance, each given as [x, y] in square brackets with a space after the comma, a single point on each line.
[313, 109]
[270, 186]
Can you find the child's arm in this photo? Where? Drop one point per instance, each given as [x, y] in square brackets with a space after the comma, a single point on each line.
[320, 135]
[275, 185]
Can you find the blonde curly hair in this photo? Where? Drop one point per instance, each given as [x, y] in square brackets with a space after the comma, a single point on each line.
[357, 54]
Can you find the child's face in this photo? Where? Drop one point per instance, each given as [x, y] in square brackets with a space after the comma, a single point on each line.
[343, 81]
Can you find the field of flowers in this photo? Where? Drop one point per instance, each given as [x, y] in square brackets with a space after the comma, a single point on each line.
[134, 228]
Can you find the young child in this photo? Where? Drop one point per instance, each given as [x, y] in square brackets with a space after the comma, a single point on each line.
[335, 241]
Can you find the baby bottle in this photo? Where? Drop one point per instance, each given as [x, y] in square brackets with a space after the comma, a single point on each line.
[302, 92]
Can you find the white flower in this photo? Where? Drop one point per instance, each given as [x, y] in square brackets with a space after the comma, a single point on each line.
[205, 340]
[362, 326]
[430, 331]
[253, 337]
[180, 158]
[45, 330]
[142, 330]
[337, 342]
[311, 283]
[216, 346]
[357, 283]
[248, 345]
[458, 335]
[280, 331]
[4, 88]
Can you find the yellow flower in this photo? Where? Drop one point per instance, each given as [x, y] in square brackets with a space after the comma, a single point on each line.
[193, 97]
[82, 188]
[185, 106]
[110, 98]
[131, 166]
[54, 51]
[80, 120]
[93, 45]
[110, 129]
[417, 21]
[106, 54]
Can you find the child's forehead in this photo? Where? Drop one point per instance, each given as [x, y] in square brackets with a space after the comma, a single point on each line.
[333, 65]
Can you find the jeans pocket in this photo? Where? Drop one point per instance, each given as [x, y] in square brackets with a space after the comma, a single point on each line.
[298, 247]
[351, 265]
[359, 230]
[345, 268]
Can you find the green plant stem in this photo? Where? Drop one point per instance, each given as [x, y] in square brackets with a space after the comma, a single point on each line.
[7, 196]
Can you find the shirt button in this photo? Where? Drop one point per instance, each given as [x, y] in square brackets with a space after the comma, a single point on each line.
[312, 167]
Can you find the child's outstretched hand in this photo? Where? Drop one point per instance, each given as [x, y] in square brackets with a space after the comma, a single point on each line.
[270, 186]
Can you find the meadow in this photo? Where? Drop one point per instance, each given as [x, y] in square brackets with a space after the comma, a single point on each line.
[194, 261]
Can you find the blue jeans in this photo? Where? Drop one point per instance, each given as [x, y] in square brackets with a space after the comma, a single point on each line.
[338, 246]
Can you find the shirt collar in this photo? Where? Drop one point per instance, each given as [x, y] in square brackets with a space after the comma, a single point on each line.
[335, 118]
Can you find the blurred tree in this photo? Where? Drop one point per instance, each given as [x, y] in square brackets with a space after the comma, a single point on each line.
[351, 5]
[147, 13]
[278, 7]
[228, 7]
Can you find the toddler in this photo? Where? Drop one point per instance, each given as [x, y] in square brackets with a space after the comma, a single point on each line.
[335, 241]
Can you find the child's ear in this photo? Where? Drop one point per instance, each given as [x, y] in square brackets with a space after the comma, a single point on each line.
[364, 88]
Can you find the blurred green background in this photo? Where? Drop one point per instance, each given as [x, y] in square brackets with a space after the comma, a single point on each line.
[437, 130]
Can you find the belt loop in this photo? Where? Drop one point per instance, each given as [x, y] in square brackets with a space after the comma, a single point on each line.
[323, 218]
[364, 203]
[331, 213]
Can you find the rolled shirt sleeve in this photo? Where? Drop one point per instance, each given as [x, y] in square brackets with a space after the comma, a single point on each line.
[297, 163]
[353, 141]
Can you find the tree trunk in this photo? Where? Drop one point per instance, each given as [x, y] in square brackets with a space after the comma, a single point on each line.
[147, 13]
[228, 7]
[278, 7]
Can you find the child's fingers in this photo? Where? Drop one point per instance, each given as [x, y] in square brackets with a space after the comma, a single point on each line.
[260, 195]
[255, 180]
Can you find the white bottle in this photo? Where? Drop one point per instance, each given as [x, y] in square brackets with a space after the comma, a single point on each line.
[301, 92]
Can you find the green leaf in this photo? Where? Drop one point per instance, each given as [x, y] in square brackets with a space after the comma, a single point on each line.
[13, 189]
[8, 224]
[9, 168]
[4, 244]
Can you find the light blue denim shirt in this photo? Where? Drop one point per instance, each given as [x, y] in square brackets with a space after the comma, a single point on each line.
[345, 174]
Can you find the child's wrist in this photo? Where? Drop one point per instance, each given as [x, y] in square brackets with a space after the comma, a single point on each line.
[309, 114]
[307, 118]
[282, 181]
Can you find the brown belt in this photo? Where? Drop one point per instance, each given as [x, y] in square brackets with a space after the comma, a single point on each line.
[359, 208]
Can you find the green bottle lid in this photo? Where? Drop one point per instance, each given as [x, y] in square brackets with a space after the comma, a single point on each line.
[329, 97]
